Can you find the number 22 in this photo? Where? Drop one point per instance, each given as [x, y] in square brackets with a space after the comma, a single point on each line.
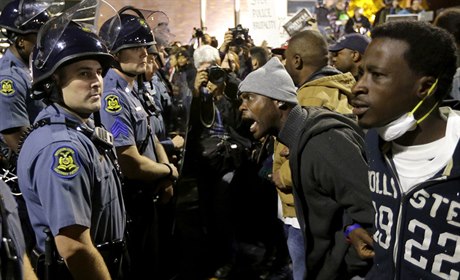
[425, 245]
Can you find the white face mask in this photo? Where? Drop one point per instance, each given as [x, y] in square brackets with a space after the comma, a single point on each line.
[397, 128]
[406, 122]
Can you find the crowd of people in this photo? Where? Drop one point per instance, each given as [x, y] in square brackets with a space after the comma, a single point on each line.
[126, 155]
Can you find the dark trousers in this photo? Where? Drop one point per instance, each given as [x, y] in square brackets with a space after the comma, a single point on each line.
[142, 236]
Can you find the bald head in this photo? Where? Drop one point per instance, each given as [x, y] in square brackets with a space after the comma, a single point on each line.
[311, 46]
[306, 53]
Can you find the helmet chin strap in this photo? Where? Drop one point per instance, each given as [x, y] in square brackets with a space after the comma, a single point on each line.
[117, 66]
[55, 95]
[21, 50]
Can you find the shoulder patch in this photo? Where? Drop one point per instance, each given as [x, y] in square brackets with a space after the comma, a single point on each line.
[112, 104]
[66, 162]
[7, 87]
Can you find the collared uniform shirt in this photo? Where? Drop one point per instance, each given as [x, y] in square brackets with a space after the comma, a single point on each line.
[156, 119]
[124, 116]
[14, 226]
[66, 181]
[17, 108]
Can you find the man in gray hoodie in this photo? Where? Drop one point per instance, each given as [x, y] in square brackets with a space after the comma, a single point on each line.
[328, 165]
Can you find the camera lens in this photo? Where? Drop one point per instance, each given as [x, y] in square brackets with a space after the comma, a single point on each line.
[216, 75]
[239, 41]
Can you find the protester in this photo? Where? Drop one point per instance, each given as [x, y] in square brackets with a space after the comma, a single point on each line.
[279, 52]
[391, 7]
[347, 53]
[325, 193]
[412, 147]
[358, 23]
[318, 85]
[414, 8]
[449, 19]
[259, 56]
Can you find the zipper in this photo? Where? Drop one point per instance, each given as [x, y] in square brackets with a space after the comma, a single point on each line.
[404, 195]
[398, 221]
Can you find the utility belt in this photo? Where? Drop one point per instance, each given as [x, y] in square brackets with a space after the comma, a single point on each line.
[51, 266]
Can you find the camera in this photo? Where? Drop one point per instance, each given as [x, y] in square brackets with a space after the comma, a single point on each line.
[240, 35]
[197, 32]
[216, 75]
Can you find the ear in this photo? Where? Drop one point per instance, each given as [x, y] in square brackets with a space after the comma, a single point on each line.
[20, 42]
[427, 86]
[298, 62]
[280, 104]
[356, 56]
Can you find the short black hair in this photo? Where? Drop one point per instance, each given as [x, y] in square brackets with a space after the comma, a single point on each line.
[432, 50]
[260, 54]
[449, 19]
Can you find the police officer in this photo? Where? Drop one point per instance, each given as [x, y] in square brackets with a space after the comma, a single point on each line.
[21, 19]
[13, 259]
[161, 121]
[66, 170]
[143, 160]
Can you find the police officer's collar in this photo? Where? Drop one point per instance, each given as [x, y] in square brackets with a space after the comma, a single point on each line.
[70, 114]
[14, 60]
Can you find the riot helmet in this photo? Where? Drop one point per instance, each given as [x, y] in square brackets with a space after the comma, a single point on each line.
[133, 32]
[66, 39]
[25, 16]
[159, 23]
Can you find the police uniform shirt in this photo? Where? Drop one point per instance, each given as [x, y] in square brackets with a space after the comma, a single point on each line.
[161, 88]
[17, 108]
[156, 120]
[14, 225]
[66, 181]
[124, 116]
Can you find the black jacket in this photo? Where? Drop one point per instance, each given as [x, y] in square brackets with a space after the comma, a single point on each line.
[329, 172]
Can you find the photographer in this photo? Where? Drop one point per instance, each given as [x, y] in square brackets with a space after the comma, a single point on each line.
[212, 156]
[238, 40]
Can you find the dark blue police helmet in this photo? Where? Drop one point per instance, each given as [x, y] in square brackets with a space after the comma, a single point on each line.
[59, 45]
[24, 16]
[132, 32]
